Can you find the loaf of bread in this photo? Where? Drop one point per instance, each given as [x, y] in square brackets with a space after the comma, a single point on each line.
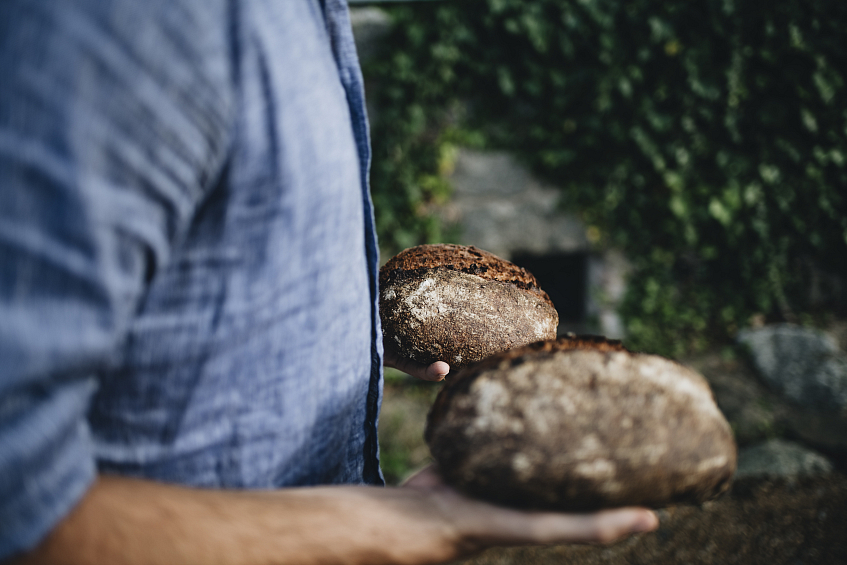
[579, 424]
[460, 304]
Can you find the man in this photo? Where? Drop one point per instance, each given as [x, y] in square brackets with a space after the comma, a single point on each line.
[188, 298]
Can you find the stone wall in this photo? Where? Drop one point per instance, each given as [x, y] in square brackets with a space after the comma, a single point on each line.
[499, 206]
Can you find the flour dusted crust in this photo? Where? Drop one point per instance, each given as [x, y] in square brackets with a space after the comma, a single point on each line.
[460, 304]
[553, 426]
[465, 259]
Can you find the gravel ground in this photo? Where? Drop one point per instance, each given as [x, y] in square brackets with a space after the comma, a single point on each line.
[768, 522]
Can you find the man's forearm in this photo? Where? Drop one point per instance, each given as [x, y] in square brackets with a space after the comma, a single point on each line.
[127, 522]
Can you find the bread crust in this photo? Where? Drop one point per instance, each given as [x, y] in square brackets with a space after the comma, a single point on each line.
[460, 305]
[550, 426]
[461, 258]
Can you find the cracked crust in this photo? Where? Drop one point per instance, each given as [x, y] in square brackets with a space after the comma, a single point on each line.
[465, 259]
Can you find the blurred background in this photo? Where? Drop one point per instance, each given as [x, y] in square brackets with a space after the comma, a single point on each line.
[674, 173]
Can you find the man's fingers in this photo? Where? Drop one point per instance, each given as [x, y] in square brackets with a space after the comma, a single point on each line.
[474, 525]
[434, 372]
[426, 478]
[601, 527]
[482, 524]
[437, 371]
[410, 367]
[549, 528]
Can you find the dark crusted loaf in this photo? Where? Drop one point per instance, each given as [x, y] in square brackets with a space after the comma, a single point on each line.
[460, 304]
[580, 424]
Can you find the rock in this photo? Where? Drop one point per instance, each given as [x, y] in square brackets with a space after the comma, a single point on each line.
[778, 458]
[807, 372]
[803, 365]
[826, 431]
[500, 205]
[551, 427]
[753, 410]
[460, 305]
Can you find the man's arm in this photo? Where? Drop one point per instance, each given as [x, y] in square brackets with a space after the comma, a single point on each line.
[127, 521]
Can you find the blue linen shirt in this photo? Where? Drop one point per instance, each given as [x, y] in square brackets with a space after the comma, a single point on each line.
[188, 263]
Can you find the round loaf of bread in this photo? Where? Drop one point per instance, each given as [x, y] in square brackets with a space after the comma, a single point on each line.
[460, 304]
[581, 424]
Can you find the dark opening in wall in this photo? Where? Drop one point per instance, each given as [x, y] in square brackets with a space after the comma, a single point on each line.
[563, 276]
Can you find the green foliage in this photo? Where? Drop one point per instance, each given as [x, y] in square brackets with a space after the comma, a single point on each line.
[401, 424]
[412, 133]
[708, 140]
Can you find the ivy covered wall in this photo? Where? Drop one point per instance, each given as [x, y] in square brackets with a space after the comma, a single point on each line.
[706, 139]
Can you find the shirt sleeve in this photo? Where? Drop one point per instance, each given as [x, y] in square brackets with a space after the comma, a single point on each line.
[114, 123]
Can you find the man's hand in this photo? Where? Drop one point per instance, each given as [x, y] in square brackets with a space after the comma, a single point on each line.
[435, 372]
[127, 522]
[483, 525]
